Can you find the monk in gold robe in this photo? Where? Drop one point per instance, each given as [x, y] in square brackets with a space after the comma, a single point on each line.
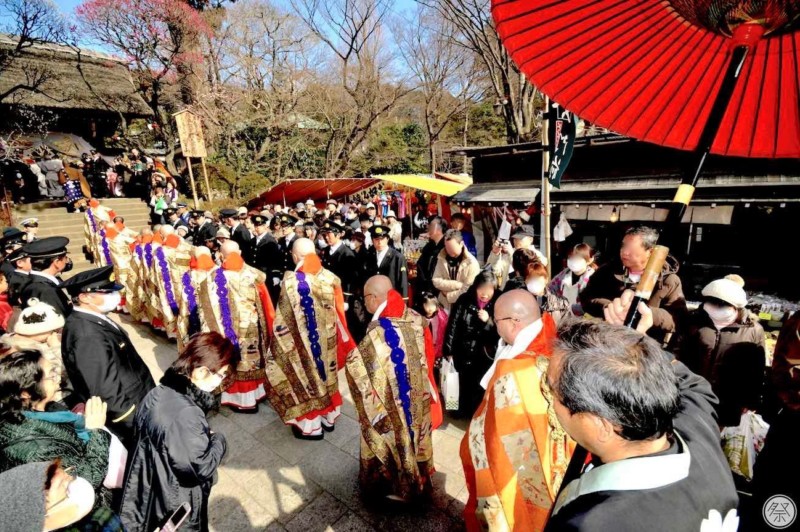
[236, 304]
[136, 296]
[309, 344]
[170, 261]
[390, 376]
[190, 316]
[116, 247]
[514, 452]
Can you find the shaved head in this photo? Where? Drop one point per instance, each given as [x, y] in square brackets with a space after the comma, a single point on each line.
[228, 247]
[301, 248]
[146, 231]
[201, 250]
[376, 291]
[522, 309]
[166, 230]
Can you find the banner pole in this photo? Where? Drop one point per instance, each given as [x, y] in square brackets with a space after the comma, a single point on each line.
[205, 176]
[545, 219]
[191, 180]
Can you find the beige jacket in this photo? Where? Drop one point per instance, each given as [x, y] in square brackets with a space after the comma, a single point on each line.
[451, 289]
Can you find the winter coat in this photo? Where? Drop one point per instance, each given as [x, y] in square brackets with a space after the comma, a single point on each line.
[558, 307]
[732, 359]
[175, 459]
[469, 340]
[667, 302]
[451, 289]
[786, 364]
[426, 264]
[562, 286]
[35, 440]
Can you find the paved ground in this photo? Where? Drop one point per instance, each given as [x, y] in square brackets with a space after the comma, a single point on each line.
[271, 481]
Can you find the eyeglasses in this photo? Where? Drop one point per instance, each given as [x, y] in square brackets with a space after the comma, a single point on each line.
[369, 295]
[498, 320]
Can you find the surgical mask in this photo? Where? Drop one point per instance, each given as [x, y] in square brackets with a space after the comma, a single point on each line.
[536, 286]
[723, 315]
[79, 502]
[210, 384]
[68, 266]
[321, 243]
[576, 265]
[351, 244]
[110, 302]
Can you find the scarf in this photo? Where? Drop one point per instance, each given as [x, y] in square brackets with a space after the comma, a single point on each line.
[65, 417]
[506, 351]
[183, 385]
[452, 266]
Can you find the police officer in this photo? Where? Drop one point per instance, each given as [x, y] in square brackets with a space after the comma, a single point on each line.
[48, 261]
[204, 229]
[382, 259]
[239, 233]
[286, 240]
[19, 276]
[99, 357]
[266, 255]
[338, 257]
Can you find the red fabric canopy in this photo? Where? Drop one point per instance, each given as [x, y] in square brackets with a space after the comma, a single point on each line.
[296, 191]
[639, 69]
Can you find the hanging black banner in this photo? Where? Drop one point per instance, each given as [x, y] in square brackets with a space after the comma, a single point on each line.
[561, 136]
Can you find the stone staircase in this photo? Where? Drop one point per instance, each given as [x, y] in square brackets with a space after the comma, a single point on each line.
[54, 220]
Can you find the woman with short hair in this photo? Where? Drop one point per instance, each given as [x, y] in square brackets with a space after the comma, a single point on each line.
[532, 276]
[177, 454]
[571, 281]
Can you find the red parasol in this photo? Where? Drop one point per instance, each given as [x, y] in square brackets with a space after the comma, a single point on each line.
[652, 70]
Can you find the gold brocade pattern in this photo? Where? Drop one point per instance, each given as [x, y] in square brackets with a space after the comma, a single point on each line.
[247, 314]
[197, 277]
[295, 385]
[389, 456]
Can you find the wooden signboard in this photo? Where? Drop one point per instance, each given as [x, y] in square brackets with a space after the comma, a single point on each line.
[190, 132]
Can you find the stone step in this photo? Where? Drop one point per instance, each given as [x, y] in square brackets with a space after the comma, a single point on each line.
[61, 214]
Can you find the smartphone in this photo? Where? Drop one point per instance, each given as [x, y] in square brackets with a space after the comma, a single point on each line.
[177, 518]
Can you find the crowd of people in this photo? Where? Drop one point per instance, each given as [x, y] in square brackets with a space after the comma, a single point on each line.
[575, 422]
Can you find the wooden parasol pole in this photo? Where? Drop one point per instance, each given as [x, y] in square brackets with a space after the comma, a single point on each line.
[191, 180]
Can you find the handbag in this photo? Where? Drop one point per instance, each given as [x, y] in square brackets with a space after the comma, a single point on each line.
[449, 384]
[741, 444]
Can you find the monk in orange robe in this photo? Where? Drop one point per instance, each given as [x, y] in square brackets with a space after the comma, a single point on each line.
[514, 452]
[310, 341]
[391, 380]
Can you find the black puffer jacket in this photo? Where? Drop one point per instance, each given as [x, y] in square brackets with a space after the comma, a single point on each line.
[175, 459]
[469, 340]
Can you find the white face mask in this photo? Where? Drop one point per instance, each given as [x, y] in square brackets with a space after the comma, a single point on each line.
[210, 384]
[536, 286]
[351, 244]
[80, 499]
[720, 314]
[576, 265]
[110, 302]
[321, 242]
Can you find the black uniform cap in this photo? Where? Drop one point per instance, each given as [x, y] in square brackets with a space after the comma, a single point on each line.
[258, 219]
[228, 213]
[379, 231]
[51, 246]
[333, 227]
[95, 280]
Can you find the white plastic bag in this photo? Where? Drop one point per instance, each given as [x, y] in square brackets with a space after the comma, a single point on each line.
[449, 384]
[742, 444]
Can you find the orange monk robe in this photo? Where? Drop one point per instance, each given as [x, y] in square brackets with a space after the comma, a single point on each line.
[514, 452]
[396, 458]
[298, 392]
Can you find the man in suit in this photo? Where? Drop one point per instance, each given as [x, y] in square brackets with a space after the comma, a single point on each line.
[266, 255]
[286, 241]
[99, 357]
[239, 233]
[48, 260]
[204, 229]
[384, 260]
[183, 213]
[338, 257]
[19, 276]
[174, 219]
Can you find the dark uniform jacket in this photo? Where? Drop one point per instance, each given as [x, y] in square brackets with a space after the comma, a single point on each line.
[286, 248]
[179, 222]
[266, 255]
[175, 458]
[393, 266]
[342, 263]
[241, 236]
[101, 360]
[48, 292]
[207, 231]
[16, 282]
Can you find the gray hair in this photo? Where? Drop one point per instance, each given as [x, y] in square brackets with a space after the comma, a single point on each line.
[619, 375]
[453, 234]
[648, 234]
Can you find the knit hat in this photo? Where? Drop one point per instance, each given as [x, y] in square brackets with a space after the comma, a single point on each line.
[727, 291]
[22, 493]
[38, 318]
